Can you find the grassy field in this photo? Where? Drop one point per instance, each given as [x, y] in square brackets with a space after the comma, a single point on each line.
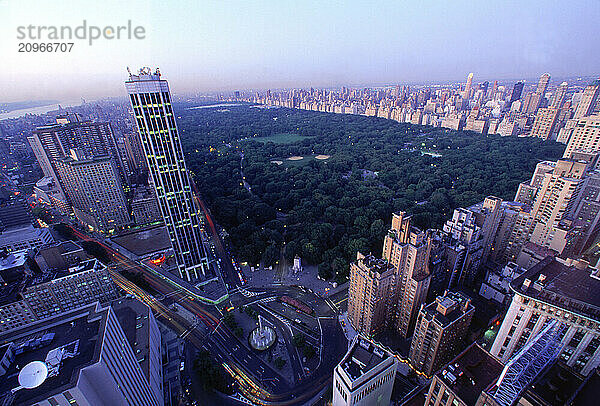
[286, 163]
[283, 138]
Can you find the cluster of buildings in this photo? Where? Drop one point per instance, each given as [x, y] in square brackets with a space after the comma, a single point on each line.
[89, 171]
[484, 108]
[112, 178]
[535, 256]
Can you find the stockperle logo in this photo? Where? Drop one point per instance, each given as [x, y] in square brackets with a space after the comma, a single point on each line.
[84, 32]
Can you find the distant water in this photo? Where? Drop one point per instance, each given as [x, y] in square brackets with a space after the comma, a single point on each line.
[38, 110]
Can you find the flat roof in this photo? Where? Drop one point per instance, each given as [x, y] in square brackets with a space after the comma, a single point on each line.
[470, 373]
[362, 357]
[554, 386]
[562, 286]
[33, 342]
[453, 301]
[144, 242]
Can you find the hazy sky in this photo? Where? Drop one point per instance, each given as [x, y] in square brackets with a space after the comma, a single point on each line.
[222, 45]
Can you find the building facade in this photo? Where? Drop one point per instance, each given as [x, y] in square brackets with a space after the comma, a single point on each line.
[440, 332]
[151, 102]
[365, 376]
[554, 290]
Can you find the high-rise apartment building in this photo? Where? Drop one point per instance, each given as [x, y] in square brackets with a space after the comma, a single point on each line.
[370, 294]
[407, 249]
[151, 101]
[80, 357]
[440, 331]
[585, 136]
[542, 85]
[555, 202]
[589, 100]
[365, 376]
[554, 290]
[560, 95]
[95, 191]
[545, 125]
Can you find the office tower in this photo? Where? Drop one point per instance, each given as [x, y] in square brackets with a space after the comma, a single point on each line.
[407, 249]
[86, 283]
[440, 331]
[516, 92]
[585, 136]
[151, 101]
[14, 210]
[370, 294]
[546, 123]
[589, 100]
[465, 379]
[143, 334]
[95, 191]
[467, 92]
[365, 376]
[81, 357]
[484, 87]
[558, 99]
[554, 290]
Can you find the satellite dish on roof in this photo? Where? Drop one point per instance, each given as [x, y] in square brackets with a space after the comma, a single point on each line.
[33, 374]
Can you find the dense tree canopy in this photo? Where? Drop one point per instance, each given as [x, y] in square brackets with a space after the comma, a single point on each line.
[326, 210]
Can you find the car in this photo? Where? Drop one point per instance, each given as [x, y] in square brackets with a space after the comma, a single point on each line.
[182, 366]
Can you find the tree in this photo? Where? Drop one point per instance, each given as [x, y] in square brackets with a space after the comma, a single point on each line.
[210, 373]
[279, 362]
[298, 340]
[271, 255]
[309, 351]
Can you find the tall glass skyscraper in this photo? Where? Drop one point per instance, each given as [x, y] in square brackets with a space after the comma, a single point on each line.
[151, 102]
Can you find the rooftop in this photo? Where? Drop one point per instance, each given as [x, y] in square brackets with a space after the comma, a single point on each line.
[78, 330]
[448, 308]
[470, 373]
[13, 260]
[554, 386]
[362, 357]
[562, 286]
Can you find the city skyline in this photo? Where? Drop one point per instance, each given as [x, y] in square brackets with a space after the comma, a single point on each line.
[217, 47]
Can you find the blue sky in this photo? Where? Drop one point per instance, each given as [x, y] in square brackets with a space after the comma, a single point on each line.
[222, 45]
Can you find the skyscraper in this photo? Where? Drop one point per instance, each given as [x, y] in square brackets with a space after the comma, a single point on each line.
[589, 100]
[516, 92]
[440, 331]
[151, 101]
[467, 92]
[370, 294]
[559, 96]
[585, 136]
[365, 376]
[95, 191]
[407, 249]
[542, 85]
[545, 125]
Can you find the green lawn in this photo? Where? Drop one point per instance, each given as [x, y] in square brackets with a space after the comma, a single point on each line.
[283, 138]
